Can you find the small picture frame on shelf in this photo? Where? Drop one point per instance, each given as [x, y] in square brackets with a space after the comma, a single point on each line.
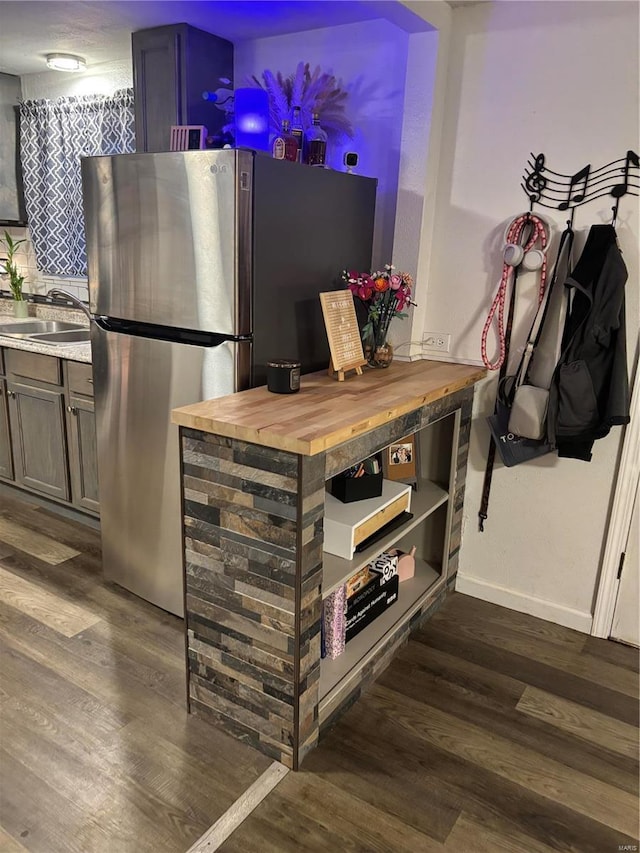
[400, 461]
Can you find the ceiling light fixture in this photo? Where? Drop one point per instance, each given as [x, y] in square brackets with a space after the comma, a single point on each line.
[65, 62]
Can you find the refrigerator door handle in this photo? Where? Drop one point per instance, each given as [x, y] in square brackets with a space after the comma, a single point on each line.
[167, 333]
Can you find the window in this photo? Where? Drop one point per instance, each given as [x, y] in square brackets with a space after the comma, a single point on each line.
[54, 135]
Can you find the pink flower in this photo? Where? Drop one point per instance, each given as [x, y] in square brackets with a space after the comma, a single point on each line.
[387, 292]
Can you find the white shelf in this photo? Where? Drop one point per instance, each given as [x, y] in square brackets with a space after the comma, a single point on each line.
[343, 522]
[337, 570]
[365, 645]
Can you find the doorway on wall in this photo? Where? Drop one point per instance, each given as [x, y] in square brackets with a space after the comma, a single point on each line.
[626, 619]
[617, 609]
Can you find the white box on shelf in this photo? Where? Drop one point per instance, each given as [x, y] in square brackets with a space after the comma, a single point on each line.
[347, 525]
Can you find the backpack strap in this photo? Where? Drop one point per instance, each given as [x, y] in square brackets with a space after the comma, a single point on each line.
[566, 245]
[491, 454]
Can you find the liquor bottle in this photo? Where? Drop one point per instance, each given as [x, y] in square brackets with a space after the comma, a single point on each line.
[277, 147]
[297, 131]
[284, 145]
[314, 151]
[290, 142]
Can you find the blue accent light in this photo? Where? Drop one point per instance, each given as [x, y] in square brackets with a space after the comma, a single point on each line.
[252, 119]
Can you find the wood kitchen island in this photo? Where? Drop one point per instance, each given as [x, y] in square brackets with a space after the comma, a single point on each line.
[254, 469]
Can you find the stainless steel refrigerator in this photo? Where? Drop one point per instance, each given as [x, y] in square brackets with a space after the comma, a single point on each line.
[203, 265]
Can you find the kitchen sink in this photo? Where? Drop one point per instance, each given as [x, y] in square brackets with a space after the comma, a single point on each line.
[78, 335]
[36, 327]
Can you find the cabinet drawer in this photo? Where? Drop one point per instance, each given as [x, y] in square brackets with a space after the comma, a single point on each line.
[45, 368]
[80, 378]
[347, 525]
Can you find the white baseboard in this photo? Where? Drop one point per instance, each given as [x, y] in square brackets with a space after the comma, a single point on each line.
[566, 616]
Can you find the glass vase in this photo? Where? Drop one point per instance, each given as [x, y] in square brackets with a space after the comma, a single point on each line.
[20, 308]
[379, 356]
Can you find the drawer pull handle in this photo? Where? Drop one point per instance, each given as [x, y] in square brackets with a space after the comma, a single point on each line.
[72, 410]
[11, 393]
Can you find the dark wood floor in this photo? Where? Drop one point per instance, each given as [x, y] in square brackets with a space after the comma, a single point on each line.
[491, 731]
[97, 752]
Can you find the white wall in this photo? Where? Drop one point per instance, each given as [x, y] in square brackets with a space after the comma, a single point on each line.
[415, 194]
[100, 79]
[559, 78]
[370, 60]
[424, 110]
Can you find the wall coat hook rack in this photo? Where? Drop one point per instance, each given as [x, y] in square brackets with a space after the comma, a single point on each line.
[557, 191]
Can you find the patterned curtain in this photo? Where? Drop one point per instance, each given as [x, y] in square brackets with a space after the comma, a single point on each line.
[54, 136]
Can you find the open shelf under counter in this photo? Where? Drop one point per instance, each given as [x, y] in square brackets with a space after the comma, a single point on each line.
[336, 570]
[364, 647]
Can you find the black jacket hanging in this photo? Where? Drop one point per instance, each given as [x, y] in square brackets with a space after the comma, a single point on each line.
[590, 391]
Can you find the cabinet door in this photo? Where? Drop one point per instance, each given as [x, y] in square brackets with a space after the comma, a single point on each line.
[156, 76]
[39, 446]
[83, 459]
[6, 462]
[172, 66]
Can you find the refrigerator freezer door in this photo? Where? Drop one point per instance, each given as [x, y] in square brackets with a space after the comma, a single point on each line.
[321, 223]
[169, 238]
[138, 381]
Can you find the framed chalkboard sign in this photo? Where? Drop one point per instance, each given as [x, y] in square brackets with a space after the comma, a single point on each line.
[343, 333]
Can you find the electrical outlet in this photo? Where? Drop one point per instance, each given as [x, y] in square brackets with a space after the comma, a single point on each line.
[437, 341]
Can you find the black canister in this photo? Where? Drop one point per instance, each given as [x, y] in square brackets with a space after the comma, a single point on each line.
[283, 376]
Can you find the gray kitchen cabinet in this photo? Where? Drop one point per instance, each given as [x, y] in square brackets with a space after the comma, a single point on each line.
[12, 210]
[6, 462]
[38, 438]
[172, 66]
[81, 433]
[47, 428]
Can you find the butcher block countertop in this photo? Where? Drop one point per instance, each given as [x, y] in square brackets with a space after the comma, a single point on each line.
[326, 413]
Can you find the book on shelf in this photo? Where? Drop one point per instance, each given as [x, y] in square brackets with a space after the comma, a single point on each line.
[369, 602]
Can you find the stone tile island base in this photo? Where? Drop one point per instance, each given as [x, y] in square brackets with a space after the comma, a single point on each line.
[253, 560]
[253, 539]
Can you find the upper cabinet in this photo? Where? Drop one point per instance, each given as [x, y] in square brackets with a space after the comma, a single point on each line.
[12, 210]
[172, 67]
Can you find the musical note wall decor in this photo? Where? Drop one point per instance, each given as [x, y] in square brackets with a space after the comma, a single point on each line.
[582, 178]
[557, 191]
[621, 189]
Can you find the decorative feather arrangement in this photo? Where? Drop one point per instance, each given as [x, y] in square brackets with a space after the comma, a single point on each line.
[317, 92]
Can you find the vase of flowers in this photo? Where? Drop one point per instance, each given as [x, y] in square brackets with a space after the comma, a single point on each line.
[20, 306]
[385, 294]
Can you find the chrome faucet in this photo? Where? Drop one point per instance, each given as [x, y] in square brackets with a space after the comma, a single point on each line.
[57, 291]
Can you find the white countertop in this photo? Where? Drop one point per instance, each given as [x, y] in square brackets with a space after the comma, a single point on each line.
[72, 352]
